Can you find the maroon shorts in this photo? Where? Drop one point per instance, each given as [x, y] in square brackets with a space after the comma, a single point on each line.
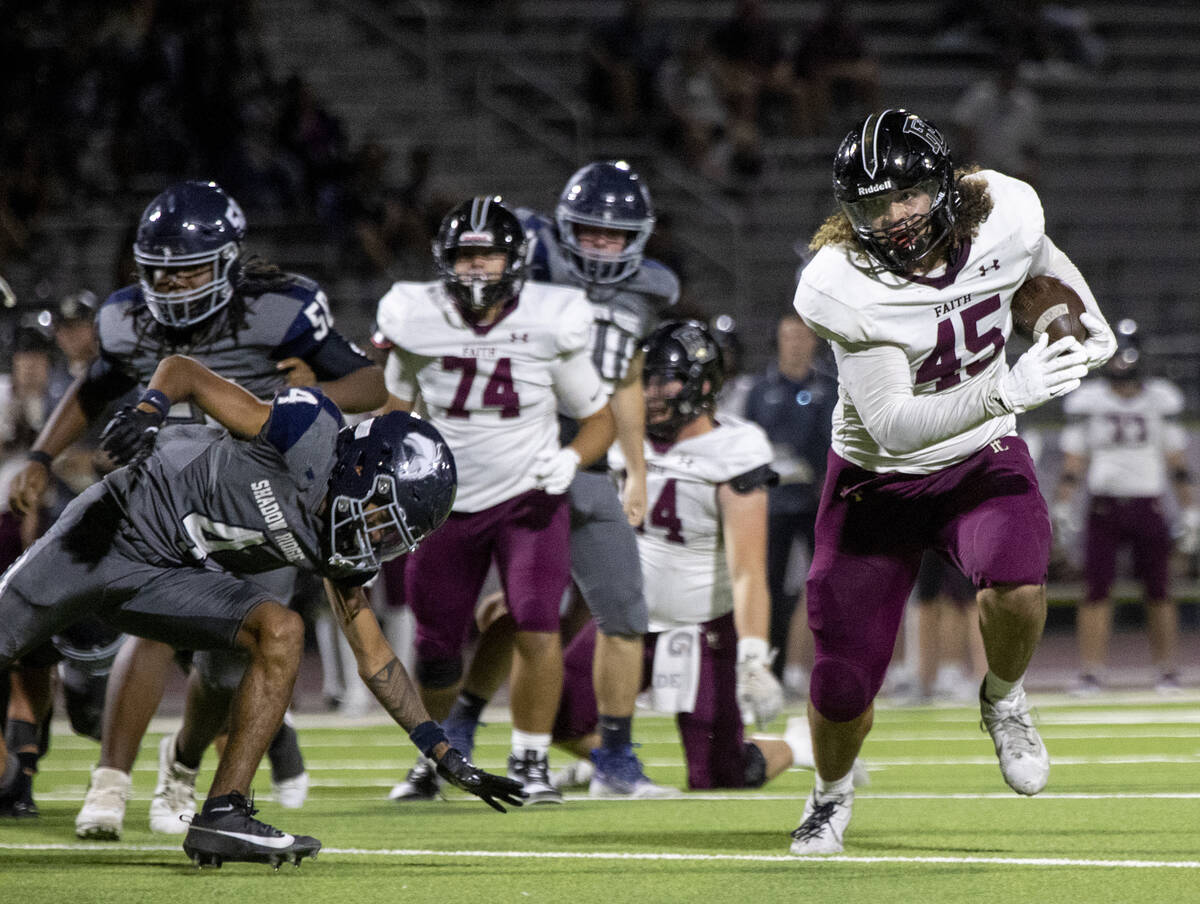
[1137, 522]
[985, 514]
[712, 732]
[527, 537]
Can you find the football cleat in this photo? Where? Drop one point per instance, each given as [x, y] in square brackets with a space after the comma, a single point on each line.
[1024, 762]
[1086, 685]
[291, 793]
[533, 772]
[421, 783]
[619, 774]
[823, 825]
[174, 801]
[103, 811]
[16, 802]
[226, 830]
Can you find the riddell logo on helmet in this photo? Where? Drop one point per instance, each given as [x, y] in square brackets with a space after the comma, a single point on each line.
[885, 185]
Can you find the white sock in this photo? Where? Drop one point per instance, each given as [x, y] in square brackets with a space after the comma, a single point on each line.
[839, 788]
[996, 688]
[524, 741]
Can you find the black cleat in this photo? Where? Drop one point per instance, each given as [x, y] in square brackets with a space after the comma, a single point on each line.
[225, 830]
[16, 802]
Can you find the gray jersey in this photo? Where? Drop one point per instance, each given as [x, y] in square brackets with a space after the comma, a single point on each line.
[246, 506]
[293, 321]
[623, 313]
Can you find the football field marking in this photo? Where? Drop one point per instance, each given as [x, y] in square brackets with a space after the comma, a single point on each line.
[657, 856]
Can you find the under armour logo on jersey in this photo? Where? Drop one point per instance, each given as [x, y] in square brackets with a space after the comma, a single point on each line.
[518, 337]
[983, 268]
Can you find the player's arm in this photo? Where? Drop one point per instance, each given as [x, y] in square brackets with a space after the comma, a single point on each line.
[577, 385]
[179, 378]
[80, 405]
[346, 376]
[744, 527]
[400, 376]
[387, 679]
[629, 415]
[879, 381]
[1050, 260]
[1074, 468]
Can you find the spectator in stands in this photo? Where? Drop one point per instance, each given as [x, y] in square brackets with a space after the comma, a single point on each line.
[623, 57]
[1123, 438]
[793, 402]
[756, 74]
[833, 60]
[997, 122]
[313, 135]
[689, 91]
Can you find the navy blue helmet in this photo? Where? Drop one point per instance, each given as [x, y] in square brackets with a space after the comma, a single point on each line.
[683, 350]
[481, 222]
[608, 195]
[886, 154]
[393, 484]
[189, 225]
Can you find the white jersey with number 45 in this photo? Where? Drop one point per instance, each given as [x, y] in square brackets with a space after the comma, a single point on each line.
[492, 392]
[952, 323]
[681, 543]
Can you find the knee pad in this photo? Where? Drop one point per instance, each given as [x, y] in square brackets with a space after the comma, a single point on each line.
[220, 670]
[437, 674]
[83, 692]
[754, 766]
[840, 690]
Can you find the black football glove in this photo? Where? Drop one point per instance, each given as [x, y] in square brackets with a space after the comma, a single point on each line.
[130, 435]
[462, 773]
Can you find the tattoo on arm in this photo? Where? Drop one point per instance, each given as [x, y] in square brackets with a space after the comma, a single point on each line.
[399, 696]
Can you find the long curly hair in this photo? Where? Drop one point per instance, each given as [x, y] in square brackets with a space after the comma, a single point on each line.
[972, 206]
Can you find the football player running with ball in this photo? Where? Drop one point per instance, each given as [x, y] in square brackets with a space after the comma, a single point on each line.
[911, 284]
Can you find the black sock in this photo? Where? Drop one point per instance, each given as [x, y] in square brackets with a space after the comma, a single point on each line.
[9, 771]
[22, 739]
[616, 732]
[467, 708]
[284, 754]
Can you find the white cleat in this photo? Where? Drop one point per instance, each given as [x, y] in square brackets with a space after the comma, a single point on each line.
[823, 825]
[1024, 762]
[291, 793]
[575, 776]
[174, 802]
[103, 811]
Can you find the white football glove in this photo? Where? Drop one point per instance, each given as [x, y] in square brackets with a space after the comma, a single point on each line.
[1188, 535]
[1044, 372]
[554, 469]
[759, 693]
[1100, 344]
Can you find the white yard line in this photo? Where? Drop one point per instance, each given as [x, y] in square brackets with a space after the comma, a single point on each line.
[657, 856]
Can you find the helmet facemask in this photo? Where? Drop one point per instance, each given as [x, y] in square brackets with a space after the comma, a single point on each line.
[681, 408]
[602, 267]
[187, 306]
[474, 294]
[903, 245]
[365, 532]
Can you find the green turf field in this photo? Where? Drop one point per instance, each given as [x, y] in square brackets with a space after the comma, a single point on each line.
[1120, 822]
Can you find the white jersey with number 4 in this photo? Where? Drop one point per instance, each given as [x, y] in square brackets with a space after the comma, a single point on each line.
[492, 392]
[681, 543]
[952, 324]
[1126, 439]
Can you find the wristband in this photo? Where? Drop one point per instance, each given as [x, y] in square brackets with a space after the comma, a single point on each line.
[427, 736]
[158, 399]
[45, 459]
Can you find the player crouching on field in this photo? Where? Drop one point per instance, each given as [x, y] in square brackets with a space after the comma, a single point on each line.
[155, 548]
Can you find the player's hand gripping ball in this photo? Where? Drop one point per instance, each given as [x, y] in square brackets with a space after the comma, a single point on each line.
[1048, 305]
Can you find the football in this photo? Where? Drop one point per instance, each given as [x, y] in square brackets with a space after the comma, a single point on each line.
[1044, 304]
